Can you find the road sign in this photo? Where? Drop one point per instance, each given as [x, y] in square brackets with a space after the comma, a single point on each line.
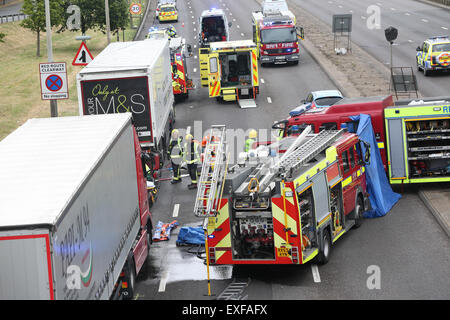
[135, 8]
[53, 81]
[83, 56]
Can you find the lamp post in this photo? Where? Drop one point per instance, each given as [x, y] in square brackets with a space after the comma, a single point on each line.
[108, 33]
[48, 26]
[391, 34]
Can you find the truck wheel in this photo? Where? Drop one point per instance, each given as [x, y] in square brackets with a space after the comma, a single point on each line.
[325, 250]
[359, 213]
[426, 72]
[130, 277]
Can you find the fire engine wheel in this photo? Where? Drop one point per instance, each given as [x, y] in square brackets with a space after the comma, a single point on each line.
[359, 213]
[426, 72]
[325, 249]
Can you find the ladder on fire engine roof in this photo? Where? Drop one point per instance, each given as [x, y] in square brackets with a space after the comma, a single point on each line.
[292, 160]
[213, 170]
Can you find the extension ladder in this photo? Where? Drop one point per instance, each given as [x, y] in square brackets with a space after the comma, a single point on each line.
[213, 170]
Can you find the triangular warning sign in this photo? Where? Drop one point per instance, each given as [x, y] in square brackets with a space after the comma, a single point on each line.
[83, 56]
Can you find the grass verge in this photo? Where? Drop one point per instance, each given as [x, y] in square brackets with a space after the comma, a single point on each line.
[20, 92]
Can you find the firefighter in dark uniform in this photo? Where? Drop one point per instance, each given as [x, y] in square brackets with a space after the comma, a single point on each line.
[175, 153]
[191, 154]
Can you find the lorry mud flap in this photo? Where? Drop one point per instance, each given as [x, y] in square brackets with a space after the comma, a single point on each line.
[247, 103]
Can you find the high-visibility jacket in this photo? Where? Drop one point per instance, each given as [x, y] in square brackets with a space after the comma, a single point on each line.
[191, 152]
[248, 144]
[175, 151]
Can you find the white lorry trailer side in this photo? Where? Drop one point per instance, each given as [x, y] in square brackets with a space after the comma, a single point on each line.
[132, 77]
[69, 209]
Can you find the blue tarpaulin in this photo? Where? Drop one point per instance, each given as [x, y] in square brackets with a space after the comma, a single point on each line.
[381, 196]
[191, 235]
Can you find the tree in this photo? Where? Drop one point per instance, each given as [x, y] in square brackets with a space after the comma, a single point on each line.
[35, 9]
[118, 15]
[2, 35]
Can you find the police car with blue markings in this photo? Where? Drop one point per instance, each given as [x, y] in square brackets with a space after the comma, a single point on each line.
[433, 55]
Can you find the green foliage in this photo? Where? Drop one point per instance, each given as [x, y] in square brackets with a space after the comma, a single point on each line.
[35, 9]
[2, 35]
[93, 14]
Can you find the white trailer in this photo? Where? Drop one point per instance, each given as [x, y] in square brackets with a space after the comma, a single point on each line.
[70, 213]
[132, 77]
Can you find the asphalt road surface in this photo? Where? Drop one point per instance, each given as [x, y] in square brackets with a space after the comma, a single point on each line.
[407, 250]
[415, 21]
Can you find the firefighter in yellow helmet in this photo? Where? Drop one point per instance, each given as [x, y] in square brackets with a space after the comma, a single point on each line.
[192, 150]
[175, 153]
[252, 135]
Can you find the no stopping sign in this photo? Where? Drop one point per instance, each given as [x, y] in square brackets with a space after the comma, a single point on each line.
[53, 81]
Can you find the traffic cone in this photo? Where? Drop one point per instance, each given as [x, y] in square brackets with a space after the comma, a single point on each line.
[182, 24]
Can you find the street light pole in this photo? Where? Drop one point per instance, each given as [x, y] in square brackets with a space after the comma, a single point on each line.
[53, 103]
[108, 33]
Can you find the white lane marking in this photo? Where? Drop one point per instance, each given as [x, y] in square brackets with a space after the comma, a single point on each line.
[362, 17]
[195, 29]
[195, 57]
[238, 26]
[195, 46]
[195, 69]
[379, 3]
[315, 272]
[339, 6]
[162, 283]
[424, 20]
[393, 9]
[269, 100]
[262, 80]
[193, 17]
[242, 34]
[234, 20]
[410, 41]
[444, 28]
[176, 207]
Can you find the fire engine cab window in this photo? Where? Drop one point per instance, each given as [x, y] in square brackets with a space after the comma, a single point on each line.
[352, 157]
[345, 163]
[328, 126]
[213, 65]
[278, 35]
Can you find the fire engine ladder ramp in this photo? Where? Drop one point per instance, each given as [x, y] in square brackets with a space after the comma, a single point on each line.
[213, 169]
[309, 150]
[293, 158]
[301, 155]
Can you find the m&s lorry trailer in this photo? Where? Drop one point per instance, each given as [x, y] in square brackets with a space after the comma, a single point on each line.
[132, 77]
[74, 217]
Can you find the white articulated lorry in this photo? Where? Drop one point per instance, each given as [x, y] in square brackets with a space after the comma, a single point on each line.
[74, 217]
[132, 77]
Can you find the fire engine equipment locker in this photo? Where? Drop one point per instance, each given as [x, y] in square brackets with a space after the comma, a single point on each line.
[418, 141]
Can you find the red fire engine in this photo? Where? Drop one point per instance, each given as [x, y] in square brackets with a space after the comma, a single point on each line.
[282, 209]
